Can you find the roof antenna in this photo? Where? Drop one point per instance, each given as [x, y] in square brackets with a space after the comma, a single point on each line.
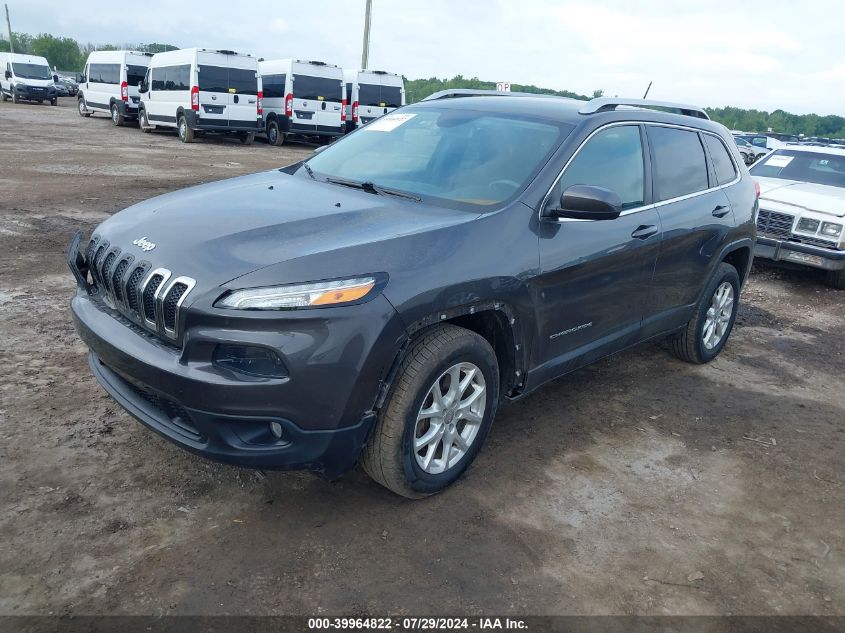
[647, 89]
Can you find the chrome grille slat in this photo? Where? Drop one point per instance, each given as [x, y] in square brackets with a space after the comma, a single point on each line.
[774, 224]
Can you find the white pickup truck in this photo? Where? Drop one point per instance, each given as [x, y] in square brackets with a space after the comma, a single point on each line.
[802, 209]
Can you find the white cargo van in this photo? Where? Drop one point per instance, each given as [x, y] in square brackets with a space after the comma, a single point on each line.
[27, 78]
[202, 90]
[302, 97]
[110, 84]
[371, 94]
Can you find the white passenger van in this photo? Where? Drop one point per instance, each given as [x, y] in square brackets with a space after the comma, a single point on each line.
[109, 84]
[198, 90]
[302, 97]
[26, 78]
[371, 94]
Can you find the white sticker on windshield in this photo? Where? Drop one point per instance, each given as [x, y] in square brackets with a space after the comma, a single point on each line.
[388, 122]
[779, 161]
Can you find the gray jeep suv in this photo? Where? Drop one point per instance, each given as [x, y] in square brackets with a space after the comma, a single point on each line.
[375, 303]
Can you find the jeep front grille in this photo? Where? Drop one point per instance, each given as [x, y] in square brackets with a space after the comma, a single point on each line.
[150, 298]
[774, 224]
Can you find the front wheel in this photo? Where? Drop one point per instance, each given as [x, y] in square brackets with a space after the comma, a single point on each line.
[143, 121]
[836, 279]
[83, 111]
[54, 102]
[708, 330]
[438, 413]
[186, 134]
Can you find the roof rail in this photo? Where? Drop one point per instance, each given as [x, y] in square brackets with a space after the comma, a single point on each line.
[470, 92]
[604, 104]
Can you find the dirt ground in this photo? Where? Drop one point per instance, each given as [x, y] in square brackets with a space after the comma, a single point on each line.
[641, 485]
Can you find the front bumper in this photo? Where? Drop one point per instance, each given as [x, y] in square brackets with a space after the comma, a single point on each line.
[33, 93]
[797, 253]
[324, 405]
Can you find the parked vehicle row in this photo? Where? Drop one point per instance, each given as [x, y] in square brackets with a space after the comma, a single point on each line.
[202, 91]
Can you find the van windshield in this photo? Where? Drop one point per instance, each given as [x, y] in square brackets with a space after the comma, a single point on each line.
[816, 167]
[463, 158]
[379, 96]
[32, 71]
[317, 88]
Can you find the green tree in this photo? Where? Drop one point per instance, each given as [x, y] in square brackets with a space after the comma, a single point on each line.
[22, 42]
[61, 52]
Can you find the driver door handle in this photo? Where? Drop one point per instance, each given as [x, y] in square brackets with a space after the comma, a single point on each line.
[721, 211]
[644, 231]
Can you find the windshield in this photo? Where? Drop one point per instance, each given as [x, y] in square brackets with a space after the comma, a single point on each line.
[816, 167]
[463, 157]
[32, 71]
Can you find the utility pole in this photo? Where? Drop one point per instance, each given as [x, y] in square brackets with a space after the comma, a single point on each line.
[9, 26]
[647, 89]
[365, 54]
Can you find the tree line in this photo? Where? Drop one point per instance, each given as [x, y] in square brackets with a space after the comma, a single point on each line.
[65, 53]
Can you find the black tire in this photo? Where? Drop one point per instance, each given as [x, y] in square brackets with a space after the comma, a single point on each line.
[116, 116]
[15, 96]
[689, 344]
[143, 122]
[274, 135]
[80, 107]
[836, 279]
[186, 134]
[389, 457]
[248, 138]
[4, 96]
[55, 102]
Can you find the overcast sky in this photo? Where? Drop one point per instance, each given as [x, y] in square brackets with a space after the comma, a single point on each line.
[765, 55]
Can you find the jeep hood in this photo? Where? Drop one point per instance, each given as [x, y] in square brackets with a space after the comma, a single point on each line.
[805, 196]
[220, 231]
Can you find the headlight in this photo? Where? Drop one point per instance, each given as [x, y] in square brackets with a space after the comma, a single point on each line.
[831, 229]
[324, 293]
[807, 224]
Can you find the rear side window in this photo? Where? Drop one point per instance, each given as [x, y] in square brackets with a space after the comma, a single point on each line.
[612, 159]
[274, 86]
[722, 163]
[317, 88]
[104, 73]
[172, 78]
[679, 164]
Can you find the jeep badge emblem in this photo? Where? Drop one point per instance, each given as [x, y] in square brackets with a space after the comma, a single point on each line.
[143, 244]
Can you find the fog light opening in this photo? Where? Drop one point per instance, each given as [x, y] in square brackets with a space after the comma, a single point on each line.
[276, 430]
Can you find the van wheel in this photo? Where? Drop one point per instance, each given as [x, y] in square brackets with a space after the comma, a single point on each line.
[438, 413]
[116, 116]
[708, 330]
[186, 134]
[83, 111]
[4, 96]
[836, 278]
[248, 138]
[55, 101]
[15, 96]
[274, 134]
[143, 122]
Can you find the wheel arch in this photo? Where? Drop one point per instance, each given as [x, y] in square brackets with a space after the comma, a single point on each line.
[740, 256]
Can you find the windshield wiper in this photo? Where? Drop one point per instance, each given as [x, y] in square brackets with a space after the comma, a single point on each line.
[371, 187]
[309, 171]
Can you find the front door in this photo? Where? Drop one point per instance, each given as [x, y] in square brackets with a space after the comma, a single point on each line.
[595, 275]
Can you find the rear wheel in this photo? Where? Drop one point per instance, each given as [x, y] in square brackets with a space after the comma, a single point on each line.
[248, 138]
[116, 116]
[83, 111]
[186, 134]
[708, 330]
[836, 278]
[274, 134]
[438, 413]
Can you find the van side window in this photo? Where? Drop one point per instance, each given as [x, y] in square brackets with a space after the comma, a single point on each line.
[274, 86]
[679, 164]
[104, 73]
[612, 159]
[722, 163]
[171, 77]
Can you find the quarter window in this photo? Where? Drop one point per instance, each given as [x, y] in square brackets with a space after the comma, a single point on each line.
[722, 163]
[679, 164]
[612, 159]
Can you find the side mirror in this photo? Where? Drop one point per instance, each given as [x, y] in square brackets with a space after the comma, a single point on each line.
[585, 202]
[8, 74]
[80, 78]
[142, 88]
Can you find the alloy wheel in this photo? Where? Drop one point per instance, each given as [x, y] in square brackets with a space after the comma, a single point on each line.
[718, 315]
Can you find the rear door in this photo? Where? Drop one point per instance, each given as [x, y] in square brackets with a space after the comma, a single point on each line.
[696, 216]
[242, 91]
[317, 97]
[213, 83]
